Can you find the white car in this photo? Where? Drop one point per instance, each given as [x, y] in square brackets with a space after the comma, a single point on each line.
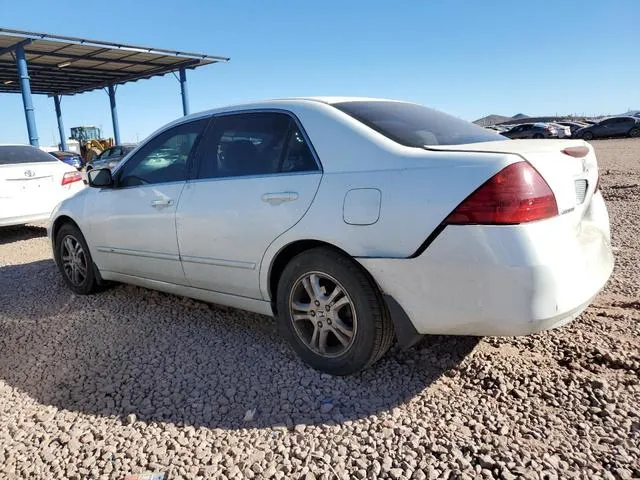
[32, 183]
[352, 220]
[562, 131]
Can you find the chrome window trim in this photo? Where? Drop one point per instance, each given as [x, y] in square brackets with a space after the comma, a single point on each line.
[241, 177]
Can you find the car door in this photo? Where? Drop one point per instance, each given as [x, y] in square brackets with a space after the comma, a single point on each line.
[257, 176]
[515, 132]
[524, 132]
[132, 225]
[621, 126]
[603, 129]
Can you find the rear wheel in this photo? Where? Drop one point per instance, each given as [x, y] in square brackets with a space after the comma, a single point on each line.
[74, 260]
[634, 133]
[331, 313]
[587, 136]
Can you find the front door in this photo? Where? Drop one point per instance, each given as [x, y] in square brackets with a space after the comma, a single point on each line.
[132, 225]
[256, 178]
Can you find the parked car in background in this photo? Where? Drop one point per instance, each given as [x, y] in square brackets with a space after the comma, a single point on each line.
[32, 183]
[611, 127]
[498, 128]
[352, 220]
[110, 157]
[533, 130]
[563, 131]
[573, 125]
[70, 158]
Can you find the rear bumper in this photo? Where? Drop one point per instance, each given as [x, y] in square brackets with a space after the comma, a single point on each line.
[502, 280]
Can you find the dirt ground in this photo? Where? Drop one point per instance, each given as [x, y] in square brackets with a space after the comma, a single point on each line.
[132, 380]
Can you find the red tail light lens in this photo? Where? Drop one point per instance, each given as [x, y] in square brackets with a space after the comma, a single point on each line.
[516, 194]
[576, 152]
[71, 177]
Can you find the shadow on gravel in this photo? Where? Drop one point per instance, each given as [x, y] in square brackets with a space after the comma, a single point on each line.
[167, 359]
[16, 234]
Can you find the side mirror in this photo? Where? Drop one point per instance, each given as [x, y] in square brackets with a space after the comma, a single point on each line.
[100, 178]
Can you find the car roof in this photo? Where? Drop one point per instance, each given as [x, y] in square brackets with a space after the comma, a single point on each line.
[290, 101]
[286, 103]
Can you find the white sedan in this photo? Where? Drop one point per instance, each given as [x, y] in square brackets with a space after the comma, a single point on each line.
[32, 183]
[352, 220]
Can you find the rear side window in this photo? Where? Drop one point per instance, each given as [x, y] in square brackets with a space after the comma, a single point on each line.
[15, 154]
[256, 143]
[414, 125]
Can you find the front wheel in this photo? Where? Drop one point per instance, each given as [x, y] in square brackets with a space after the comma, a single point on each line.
[634, 133]
[587, 136]
[74, 260]
[331, 313]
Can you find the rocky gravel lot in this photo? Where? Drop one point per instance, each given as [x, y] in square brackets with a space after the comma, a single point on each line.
[131, 380]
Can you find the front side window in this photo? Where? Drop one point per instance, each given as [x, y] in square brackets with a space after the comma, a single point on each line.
[414, 125]
[257, 143]
[164, 158]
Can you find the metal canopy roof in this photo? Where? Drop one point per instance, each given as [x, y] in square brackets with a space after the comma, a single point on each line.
[68, 65]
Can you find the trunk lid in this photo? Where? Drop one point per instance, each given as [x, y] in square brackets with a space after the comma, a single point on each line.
[572, 180]
[31, 188]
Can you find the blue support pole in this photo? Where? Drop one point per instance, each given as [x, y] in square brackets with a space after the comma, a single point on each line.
[25, 89]
[114, 114]
[183, 91]
[63, 140]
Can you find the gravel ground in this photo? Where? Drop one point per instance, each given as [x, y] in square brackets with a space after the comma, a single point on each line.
[132, 380]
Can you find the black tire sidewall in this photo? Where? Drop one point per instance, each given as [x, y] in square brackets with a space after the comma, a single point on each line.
[365, 300]
[89, 283]
[587, 136]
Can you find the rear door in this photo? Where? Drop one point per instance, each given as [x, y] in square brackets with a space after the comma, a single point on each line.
[30, 181]
[132, 226]
[257, 176]
[621, 126]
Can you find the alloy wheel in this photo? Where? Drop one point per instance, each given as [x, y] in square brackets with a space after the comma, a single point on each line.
[323, 314]
[74, 260]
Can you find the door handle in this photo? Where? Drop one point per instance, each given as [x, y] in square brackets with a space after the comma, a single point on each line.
[279, 197]
[162, 203]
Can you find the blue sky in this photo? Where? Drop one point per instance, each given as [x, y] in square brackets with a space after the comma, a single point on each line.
[468, 58]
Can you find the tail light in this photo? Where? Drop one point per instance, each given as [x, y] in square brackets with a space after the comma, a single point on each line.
[71, 177]
[576, 152]
[516, 194]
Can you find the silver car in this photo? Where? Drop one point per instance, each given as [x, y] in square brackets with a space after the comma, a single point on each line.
[354, 221]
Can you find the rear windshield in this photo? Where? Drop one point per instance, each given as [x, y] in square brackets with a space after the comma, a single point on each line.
[415, 125]
[14, 154]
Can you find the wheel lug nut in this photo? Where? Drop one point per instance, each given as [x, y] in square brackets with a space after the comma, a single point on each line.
[317, 303]
[327, 308]
[313, 313]
[329, 321]
[320, 324]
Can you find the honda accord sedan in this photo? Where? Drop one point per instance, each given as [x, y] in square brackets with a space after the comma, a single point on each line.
[354, 221]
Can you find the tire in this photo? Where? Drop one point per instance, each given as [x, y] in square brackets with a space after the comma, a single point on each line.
[587, 136]
[634, 132]
[360, 311]
[538, 135]
[78, 272]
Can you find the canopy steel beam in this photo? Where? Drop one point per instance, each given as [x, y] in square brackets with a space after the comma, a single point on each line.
[25, 88]
[183, 92]
[63, 139]
[114, 114]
